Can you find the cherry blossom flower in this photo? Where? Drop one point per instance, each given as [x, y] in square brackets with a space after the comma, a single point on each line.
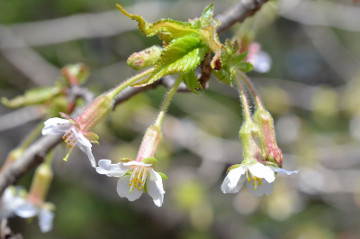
[12, 198]
[134, 178]
[77, 131]
[42, 211]
[259, 178]
[73, 135]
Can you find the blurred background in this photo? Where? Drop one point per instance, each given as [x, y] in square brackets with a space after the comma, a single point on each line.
[312, 90]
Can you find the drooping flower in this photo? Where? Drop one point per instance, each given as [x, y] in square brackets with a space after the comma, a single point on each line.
[134, 178]
[77, 131]
[137, 176]
[35, 204]
[12, 198]
[259, 178]
[42, 211]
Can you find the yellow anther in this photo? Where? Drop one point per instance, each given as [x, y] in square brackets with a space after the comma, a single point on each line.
[249, 179]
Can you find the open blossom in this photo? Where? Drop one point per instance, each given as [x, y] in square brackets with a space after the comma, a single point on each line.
[259, 178]
[134, 178]
[42, 211]
[12, 198]
[73, 134]
[77, 131]
[15, 201]
[138, 175]
[261, 60]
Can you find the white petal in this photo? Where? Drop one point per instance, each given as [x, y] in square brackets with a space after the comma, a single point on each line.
[88, 152]
[81, 138]
[136, 163]
[234, 180]
[56, 126]
[123, 189]
[111, 170]
[284, 171]
[261, 62]
[264, 189]
[155, 188]
[261, 171]
[46, 218]
[27, 210]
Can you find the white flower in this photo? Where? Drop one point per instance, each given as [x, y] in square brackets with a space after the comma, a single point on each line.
[73, 135]
[259, 178]
[44, 213]
[261, 60]
[143, 176]
[10, 201]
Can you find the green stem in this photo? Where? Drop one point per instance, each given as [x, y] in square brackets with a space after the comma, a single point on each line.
[243, 98]
[31, 137]
[252, 90]
[166, 102]
[113, 93]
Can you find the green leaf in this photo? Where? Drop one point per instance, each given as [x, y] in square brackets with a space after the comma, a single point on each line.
[32, 97]
[191, 81]
[239, 58]
[182, 55]
[207, 17]
[244, 66]
[167, 29]
[225, 75]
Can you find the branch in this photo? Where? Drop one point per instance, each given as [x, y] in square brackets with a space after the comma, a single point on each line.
[238, 13]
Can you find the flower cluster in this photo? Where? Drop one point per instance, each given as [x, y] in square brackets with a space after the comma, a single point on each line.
[186, 45]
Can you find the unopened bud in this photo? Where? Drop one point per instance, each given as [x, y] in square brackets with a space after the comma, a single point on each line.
[75, 74]
[144, 58]
[270, 150]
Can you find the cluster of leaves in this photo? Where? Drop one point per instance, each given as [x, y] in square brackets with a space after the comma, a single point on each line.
[185, 46]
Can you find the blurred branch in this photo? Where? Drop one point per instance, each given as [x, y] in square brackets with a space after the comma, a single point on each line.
[238, 13]
[19, 117]
[321, 13]
[93, 25]
[25, 59]
[329, 47]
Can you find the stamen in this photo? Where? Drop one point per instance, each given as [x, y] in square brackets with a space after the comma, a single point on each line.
[70, 138]
[138, 178]
[255, 180]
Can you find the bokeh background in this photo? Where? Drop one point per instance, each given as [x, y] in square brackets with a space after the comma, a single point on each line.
[312, 90]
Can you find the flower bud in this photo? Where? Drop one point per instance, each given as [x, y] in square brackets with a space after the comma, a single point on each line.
[75, 74]
[40, 184]
[270, 150]
[144, 58]
[149, 144]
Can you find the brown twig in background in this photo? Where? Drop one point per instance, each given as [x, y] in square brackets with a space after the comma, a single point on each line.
[238, 13]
